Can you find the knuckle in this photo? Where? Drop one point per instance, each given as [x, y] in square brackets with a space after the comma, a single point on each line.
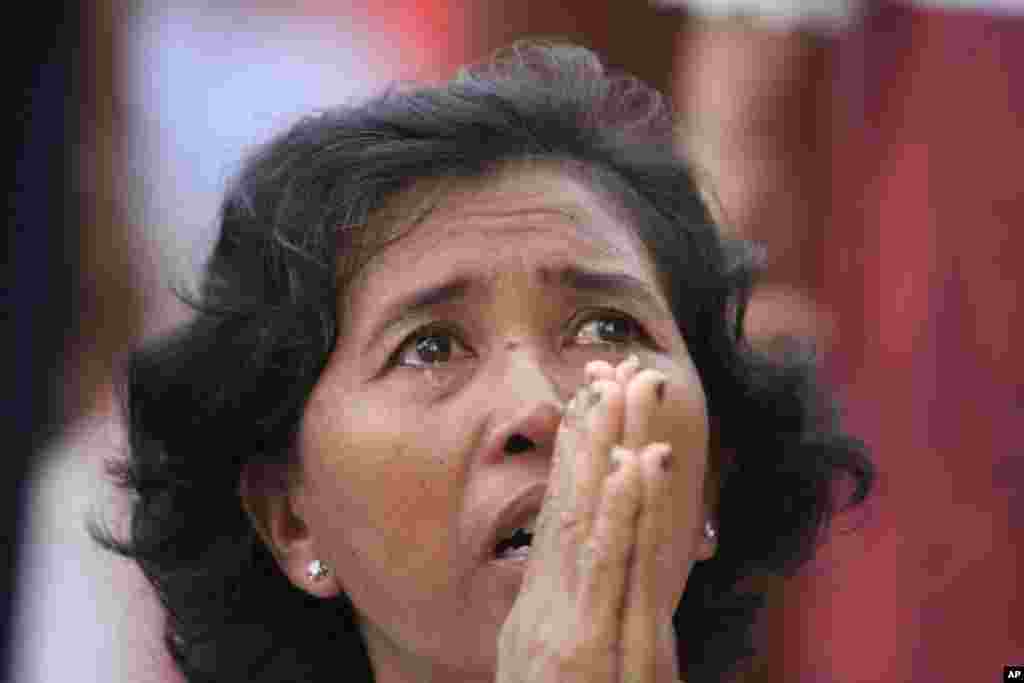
[571, 525]
[622, 488]
[596, 555]
[623, 497]
[609, 389]
[644, 384]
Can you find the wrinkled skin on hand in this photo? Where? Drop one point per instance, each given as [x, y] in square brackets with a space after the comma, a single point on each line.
[615, 538]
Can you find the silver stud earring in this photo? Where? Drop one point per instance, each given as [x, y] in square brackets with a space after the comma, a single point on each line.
[709, 531]
[317, 570]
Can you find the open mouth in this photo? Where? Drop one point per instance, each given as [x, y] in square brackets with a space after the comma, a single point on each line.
[511, 524]
[517, 543]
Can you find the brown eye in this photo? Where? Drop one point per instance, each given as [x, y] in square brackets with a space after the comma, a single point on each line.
[434, 349]
[430, 349]
[609, 328]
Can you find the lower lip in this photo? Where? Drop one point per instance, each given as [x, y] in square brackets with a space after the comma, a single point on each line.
[514, 559]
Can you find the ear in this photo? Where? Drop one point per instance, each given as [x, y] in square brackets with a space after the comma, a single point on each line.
[720, 460]
[706, 546]
[272, 498]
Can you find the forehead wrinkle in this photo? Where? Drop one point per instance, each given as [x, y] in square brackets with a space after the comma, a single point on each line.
[456, 200]
[563, 276]
[459, 206]
[464, 215]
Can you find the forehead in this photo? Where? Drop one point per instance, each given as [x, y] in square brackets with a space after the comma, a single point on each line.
[528, 212]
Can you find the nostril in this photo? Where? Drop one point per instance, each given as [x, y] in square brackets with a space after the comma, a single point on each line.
[517, 443]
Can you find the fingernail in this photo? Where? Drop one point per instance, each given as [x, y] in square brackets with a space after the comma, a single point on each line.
[659, 390]
[578, 403]
[618, 456]
[666, 460]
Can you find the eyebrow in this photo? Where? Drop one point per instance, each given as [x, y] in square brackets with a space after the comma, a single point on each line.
[611, 284]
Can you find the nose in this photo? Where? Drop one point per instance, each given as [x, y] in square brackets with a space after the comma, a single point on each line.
[529, 411]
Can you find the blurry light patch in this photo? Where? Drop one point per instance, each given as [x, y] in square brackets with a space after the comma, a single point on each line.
[204, 85]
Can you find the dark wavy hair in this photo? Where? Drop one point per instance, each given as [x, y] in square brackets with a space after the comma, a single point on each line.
[228, 389]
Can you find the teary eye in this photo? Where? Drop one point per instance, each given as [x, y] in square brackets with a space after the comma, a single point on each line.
[609, 327]
[429, 347]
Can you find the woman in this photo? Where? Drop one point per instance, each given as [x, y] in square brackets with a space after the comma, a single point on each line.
[467, 398]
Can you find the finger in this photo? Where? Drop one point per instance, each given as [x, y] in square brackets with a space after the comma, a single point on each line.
[605, 556]
[603, 430]
[644, 396]
[598, 369]
[554, 521]
[627, 369]
[648, 597]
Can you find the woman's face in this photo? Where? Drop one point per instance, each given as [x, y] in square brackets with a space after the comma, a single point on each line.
[475, 325]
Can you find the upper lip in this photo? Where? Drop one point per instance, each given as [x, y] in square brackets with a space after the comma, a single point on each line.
[515, 512]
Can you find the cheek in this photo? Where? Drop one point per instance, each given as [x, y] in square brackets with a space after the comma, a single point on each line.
[378, 487]
[694, 429]
[688, 425]
[693, 405]
[689, 401]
